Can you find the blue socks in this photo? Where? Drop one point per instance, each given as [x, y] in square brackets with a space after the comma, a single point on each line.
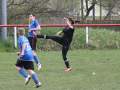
[23, 72]
[35, 78]
[37, 61]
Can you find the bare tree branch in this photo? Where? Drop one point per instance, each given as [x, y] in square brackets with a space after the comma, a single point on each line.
[90, 8]
[112, 6]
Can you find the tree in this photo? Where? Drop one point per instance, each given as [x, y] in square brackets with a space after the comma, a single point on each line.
[4, 18]
[111, 6]
[93, 1]
[42, 8]
[0, 14]
[60, 8]
[88, 9]
[25, 7]
[100, 10]
[63, 7]
[82, 9]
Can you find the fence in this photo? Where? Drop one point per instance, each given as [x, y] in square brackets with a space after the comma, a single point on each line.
[87, 26]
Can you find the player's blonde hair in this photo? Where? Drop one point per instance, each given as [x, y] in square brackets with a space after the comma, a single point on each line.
[21, 31]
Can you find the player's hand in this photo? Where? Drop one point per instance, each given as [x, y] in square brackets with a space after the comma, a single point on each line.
[38, 32]
[65, 18]
[18, 53]
[34, 33]
[59, 33]
[20, 56]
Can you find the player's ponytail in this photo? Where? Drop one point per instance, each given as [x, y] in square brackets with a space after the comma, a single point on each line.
[71, 20]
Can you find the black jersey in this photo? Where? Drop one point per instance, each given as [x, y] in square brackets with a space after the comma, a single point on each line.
[68, 33]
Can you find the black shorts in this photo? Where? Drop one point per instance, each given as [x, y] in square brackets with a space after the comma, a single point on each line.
[25, 64]
[32, 41]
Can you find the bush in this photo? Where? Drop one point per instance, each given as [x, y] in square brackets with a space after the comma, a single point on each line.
[104, 38]
[6, 46]
[99, 38]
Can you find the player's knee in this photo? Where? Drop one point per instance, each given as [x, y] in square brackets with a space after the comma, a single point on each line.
[31, 72]
[34, 53]
[66, 60]
[64, 57]
[18, 68]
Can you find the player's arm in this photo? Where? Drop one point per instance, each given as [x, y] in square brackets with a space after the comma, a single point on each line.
[23, 49]
[18, 53]
[59, 33]
[38, 28]
[68, 23]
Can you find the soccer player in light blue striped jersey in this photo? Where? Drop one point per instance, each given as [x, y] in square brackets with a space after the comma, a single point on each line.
[32, 32]
[25, 59]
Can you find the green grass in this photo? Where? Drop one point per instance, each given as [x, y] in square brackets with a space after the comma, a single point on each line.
[105, 63]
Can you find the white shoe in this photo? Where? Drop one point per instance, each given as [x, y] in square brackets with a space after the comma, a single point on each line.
[27, 79]
[38, 85]
[39, 66]
[67, 69]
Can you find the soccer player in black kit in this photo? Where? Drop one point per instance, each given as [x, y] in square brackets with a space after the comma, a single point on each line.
[64, 38]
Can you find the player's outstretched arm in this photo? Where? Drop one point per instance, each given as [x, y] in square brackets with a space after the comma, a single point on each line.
[59, 33]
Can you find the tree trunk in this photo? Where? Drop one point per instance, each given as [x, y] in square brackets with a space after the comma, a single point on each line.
[100, 10]
[82, 7]
[108, 16]
[90, 8]
[111, 7]
[86, 3]
[4, 19]
[0, 14]
[93, 11]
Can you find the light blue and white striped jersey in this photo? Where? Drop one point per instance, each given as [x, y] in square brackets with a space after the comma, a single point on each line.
[28, 55]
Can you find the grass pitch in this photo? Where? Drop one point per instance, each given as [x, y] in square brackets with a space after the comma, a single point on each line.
[92, 70]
